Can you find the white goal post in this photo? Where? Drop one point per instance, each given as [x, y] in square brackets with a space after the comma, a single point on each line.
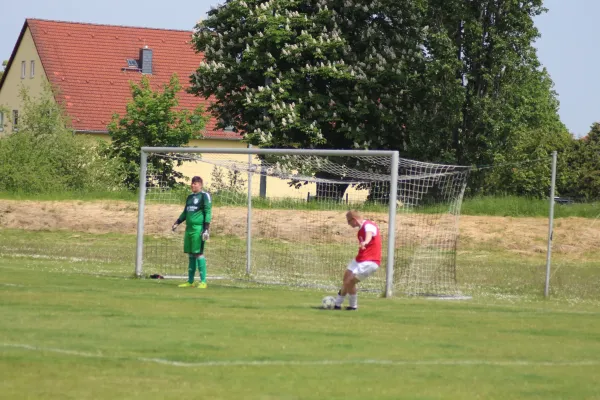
[284, 208]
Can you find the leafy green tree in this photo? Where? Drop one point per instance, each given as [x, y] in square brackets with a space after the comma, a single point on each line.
[45, 155]
[264, 62]
[310, 74]
[315, 74]
[439, 80]
[583, 167]
[501, 109]
[522, 158]
[153, 119]
[503, 92]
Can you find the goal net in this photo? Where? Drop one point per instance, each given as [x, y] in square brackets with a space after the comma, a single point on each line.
[279, 216]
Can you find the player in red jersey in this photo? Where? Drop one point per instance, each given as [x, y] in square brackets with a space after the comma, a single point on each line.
[367, 260]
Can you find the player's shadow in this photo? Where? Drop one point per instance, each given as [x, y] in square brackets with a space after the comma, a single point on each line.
[321, 308]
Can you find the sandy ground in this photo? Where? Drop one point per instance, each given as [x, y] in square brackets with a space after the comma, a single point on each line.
[573, 236]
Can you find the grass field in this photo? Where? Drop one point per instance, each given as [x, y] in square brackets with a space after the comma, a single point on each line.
[483, 271]
[75, 327]
[69, 335]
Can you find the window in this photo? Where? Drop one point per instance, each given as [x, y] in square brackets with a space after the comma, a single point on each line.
[15, 120]
[131, 63]
[32, 69]
[1, 121]
[23, 66]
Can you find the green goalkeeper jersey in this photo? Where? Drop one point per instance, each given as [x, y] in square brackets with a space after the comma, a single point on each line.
[197, 211]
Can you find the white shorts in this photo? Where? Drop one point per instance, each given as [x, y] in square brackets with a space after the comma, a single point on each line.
[362, 270]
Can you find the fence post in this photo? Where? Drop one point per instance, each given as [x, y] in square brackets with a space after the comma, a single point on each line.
[550, 224]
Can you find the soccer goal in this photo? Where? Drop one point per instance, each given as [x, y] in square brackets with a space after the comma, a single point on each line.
[279, 216]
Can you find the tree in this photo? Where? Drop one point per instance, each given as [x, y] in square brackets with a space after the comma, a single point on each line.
[4, 64]
[338, 74]
[310, 74]
[264, 64]
[533, 133]
[152, 119]
[45, 156]
[583, 164]
[439, 80]
[385, 46]
[497, 67]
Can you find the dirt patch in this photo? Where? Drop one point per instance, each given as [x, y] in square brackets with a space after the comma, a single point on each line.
[573, 236]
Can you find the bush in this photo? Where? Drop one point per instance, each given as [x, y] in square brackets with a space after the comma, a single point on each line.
[46, 156]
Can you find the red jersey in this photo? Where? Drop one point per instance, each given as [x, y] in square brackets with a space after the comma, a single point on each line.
[372, 251]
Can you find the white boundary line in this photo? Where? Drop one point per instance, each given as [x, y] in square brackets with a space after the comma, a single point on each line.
[49, 257]
[269, 363]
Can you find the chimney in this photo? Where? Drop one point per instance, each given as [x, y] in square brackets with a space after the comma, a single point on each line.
[146, 60]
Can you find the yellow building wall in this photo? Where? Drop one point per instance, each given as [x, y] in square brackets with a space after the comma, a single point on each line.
[9, 93]
[207, 168]
[95, 137]
[275, 187]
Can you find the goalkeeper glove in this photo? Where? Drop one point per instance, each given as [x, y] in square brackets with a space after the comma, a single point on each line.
[206, 233]
[175, 225]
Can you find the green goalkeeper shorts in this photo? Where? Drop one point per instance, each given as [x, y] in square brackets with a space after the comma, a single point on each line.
[192, 242]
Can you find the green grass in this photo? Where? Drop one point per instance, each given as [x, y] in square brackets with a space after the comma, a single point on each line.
[483, 270]
[513, 206]
[70, 335]
[495, 273]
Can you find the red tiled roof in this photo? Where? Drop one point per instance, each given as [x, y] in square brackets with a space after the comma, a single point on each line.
[86, 62]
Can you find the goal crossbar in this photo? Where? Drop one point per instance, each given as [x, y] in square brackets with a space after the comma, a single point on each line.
[298, 152]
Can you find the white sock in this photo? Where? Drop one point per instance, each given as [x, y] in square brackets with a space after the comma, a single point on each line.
[354, 300]
[339, 300]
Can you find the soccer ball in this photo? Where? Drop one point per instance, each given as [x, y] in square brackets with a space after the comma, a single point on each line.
[328, 302]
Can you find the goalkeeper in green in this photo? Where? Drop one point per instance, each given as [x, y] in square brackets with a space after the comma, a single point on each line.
[197, 215]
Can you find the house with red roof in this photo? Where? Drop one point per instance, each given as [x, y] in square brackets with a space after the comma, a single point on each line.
[92, 65]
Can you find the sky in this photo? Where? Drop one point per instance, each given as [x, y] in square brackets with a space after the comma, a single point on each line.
[567, 47]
